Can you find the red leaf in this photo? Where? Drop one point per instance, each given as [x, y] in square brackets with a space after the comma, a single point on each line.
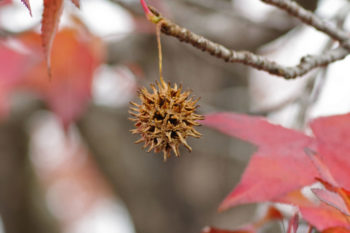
[325, 176]
[278, 167]
[293, 224]
[50, 21]
[333, 141]
[76, 3]
[295, 198]
[75, 56]
[336, 230]
[324, 217]
[320, 215]
[271, 214]
[331, 198]
[13, 64]
[216, 230]
[5, 2]
[27, 4]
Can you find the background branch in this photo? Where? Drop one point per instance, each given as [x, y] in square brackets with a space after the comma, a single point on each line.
[311, 19]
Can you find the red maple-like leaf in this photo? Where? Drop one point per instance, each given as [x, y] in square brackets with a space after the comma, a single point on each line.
[51, 16]
[293, 224]
[13, 64]
[333, 142]
[5, 2]
[324, 217]
[75, 57]
[277, 168]
[333, 199]
[325, 156]
[216, 230]
[271, 214]
[336, 230]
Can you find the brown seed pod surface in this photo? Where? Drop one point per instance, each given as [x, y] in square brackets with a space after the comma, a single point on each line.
[165, 118]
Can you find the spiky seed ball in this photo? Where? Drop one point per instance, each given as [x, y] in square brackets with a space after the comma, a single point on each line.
[165, 118]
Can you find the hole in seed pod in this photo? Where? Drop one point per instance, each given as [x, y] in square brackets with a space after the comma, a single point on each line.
[173, 134]
[173, 93]
[187, 123]
[157, 116]
[174, 122]
[167, 147]
[161, 102]
[151, 129]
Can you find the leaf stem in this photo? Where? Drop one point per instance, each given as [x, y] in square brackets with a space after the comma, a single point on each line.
[160, 56]
[145, 7]
[150, 16]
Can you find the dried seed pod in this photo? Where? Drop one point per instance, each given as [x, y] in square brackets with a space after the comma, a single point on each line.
[165, 118]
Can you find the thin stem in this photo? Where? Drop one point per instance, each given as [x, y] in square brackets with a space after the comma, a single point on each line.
[160, 55]
[145, 8]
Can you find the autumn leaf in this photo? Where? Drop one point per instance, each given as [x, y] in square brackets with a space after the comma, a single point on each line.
[331, 198]
[280, 164]
[320, 215]
[336, 230]
[334, 195]
[323, 216]
[13, 64]
[51, 16]
[216, 230]
[333, 141]
[293, 224]
[271, 214]
[75, 57]
[5, 2]
[282, 154]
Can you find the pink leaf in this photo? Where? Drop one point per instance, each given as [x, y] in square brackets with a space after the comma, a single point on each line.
[333, 141]
[278, 167]
[324, 217]
[336, 230]
[331, 198]
[12, 66]
[75, 57]
[324, 173]
[216, 230]
[293, 224]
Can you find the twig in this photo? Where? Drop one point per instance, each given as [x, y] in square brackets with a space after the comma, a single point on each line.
[306, 63]
[311, 19]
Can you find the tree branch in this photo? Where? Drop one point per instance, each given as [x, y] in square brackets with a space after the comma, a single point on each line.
[306, 64]
[313, 20]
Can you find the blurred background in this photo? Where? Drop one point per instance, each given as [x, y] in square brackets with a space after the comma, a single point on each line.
[67, 160]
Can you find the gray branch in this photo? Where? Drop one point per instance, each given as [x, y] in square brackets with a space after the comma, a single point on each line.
[306, 64]
[313, 20]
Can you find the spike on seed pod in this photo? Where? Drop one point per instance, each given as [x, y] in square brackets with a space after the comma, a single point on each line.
[165, 118]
